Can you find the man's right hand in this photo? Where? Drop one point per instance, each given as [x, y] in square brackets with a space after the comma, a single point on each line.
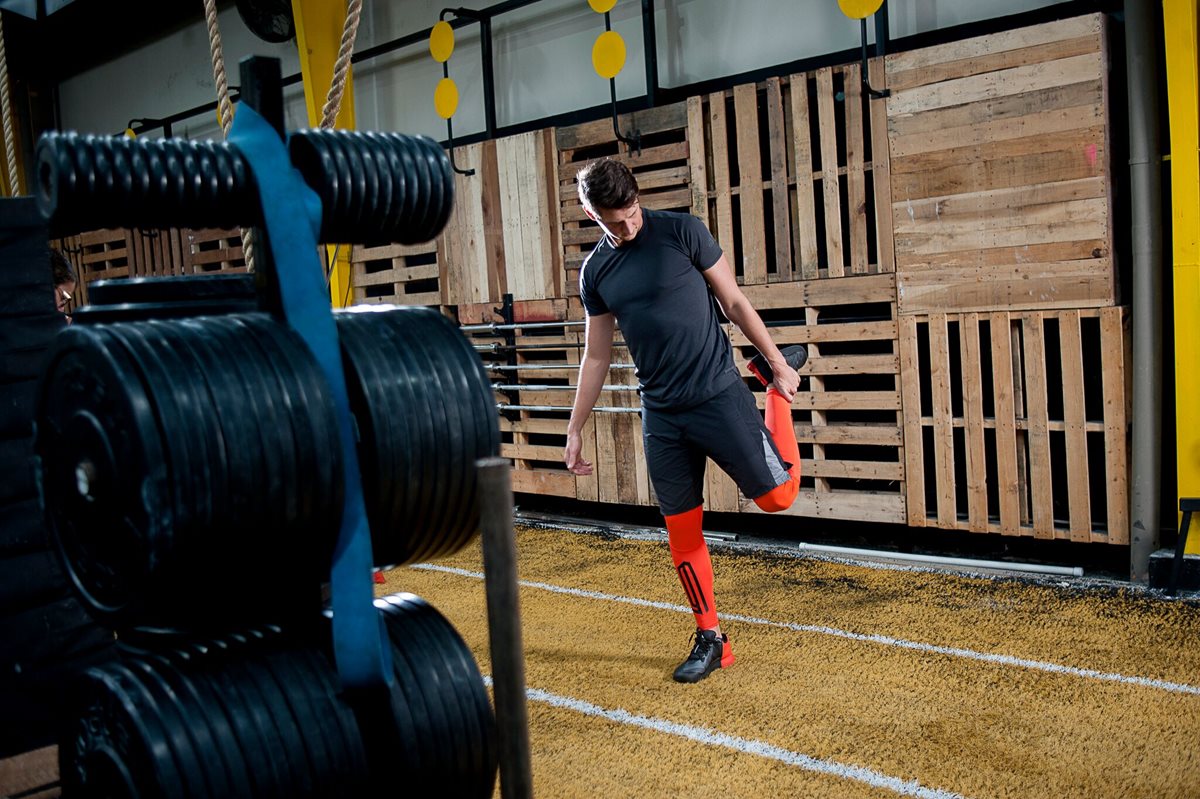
[572, 456]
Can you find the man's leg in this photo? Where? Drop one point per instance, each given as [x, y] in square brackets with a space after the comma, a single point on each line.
[783, 434]
[677, 471]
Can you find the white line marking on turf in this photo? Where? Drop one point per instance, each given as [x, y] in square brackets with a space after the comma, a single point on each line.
[885, 640]
[743, 745]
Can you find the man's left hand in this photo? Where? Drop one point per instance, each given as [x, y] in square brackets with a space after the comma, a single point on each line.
[786, 381]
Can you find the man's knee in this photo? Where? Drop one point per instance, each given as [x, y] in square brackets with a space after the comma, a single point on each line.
[780, 497]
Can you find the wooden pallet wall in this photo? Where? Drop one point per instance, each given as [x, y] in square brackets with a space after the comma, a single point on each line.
[1000, 171]
[397, 274]
[791, 175]
[1017, 422]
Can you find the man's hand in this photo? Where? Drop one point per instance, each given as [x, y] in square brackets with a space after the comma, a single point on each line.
[786, 381]
[572, 456]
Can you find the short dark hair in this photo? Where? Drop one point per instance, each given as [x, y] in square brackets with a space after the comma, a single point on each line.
[63, 271]
[607, 184]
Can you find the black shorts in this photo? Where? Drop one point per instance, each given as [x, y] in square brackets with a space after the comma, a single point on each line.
[727, 428]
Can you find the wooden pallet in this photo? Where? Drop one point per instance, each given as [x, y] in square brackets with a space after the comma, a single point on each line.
[847, 413]
[210, 250]
[1018, 423]
[662, 167]
[821, 206]
[1000, 171]
[156, 252]
[397, 274]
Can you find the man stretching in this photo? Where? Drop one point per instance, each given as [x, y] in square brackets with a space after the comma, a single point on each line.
[656, 274]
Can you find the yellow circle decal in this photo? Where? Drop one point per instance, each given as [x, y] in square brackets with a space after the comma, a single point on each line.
[445, 98]
[129, 132]
[859, 9]
[603, 6]
[608, 54]
[441, 42]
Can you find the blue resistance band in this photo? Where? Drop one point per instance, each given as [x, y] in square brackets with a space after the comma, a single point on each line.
[292, 218]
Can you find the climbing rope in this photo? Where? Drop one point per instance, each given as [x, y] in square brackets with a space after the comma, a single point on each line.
[224, 106]
[341, 68]
[10, 136]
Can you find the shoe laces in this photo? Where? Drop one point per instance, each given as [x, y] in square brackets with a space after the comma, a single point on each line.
[702, 645]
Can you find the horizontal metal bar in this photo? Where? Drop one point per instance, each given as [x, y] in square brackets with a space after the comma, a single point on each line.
[497, 346]
[572, 366]
[500, 406]
[520, 325]
[531, 387]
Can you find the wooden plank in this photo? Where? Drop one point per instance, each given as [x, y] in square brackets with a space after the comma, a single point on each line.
[881, 172]
[697, 161]
[873, 435]
[1008, 485]
[777, 141]
[651, 120]
[829, 181]
[543, 426]
[992, 85]
[805, 334]
[815, 394]
[996, 61]
[858, 470]
[1115, 366]
[554, 242]
[1059, 285]
[801, 294]
[928, 58]
[864, 506]
[943, 431]
[972, 377]
[856, 181]
[1040, 476]
[1073, 143]
[1044, 122]
[543, 482]
[1074, 417]
[983, 205]
[927, 126]
[493, 281]
[806, 220]
[721, 493]
[914, 446]
[754, 255]
[847, 400]
[719, 133]
[25, 773]
[509, 158]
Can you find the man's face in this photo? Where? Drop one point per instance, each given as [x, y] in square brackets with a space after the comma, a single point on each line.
[621, 224]
[62, 295]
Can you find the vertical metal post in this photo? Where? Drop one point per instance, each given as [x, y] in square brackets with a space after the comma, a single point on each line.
[489, 76]
[504, 627]
[1145, 183]
[650, 45]
[882, 33]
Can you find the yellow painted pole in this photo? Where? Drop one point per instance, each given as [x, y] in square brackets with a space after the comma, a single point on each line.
[1183, 88]
[319, 26]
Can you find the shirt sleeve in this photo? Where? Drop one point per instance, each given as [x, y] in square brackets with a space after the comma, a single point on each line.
[702, 248]
[592, 302]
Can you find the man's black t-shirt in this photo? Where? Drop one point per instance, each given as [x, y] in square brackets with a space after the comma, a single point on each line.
[655, 287]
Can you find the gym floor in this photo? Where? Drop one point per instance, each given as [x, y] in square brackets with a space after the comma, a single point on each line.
[851, 680]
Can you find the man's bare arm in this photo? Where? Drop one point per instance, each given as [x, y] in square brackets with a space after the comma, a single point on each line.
[597, 357]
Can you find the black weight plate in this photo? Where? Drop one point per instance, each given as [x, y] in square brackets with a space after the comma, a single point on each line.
[116, 742]
[425, 213]
[420, 739]
[16, 406]
[347, 773]
[351, 186]
[442, 686]
[289, 676]
[386, 424]
[177, 728]
[379, 188]
[406, 184]
[184, 288]
[93, 409]
[223, 722]
[185, 373]
[418, 459]
[208, 667]
[407, 332]
[268, 752]
[138, 312]
[259, 671]
[441, 190]
[273, 440]
[440, 350]
[443, 763]
[206, 726]
[182, 440]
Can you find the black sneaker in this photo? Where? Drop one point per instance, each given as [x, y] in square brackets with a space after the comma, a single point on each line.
[708, 654]
[796, 356]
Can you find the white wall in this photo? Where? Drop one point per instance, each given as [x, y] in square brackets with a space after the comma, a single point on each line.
[542, 57]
